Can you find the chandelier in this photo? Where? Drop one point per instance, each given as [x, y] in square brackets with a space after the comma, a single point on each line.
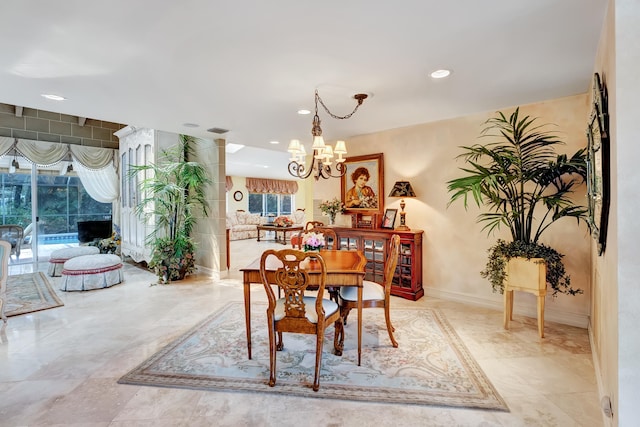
[322, 159]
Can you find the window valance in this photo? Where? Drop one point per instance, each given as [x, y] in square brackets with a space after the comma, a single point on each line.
[44, 153]
[275, 186]
[228, 184]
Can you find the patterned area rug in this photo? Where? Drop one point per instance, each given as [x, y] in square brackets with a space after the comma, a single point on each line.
[31, 292]
[431, 366]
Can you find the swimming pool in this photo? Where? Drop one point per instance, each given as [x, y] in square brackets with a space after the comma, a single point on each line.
[61, 238]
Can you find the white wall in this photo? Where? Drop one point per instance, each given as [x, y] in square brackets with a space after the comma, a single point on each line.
[454, 245]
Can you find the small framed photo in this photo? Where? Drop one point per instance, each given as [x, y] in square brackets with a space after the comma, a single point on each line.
[389, 218]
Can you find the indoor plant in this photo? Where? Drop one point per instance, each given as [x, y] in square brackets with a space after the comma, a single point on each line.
[331, 208]
[174, 190]
[516, 175]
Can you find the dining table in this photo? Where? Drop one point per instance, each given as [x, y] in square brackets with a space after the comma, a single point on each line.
[343, 268]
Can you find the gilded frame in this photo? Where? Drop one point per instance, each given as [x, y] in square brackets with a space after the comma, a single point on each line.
[364, 202]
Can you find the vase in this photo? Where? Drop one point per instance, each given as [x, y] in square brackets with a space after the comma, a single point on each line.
[332, 219]
[312, 254]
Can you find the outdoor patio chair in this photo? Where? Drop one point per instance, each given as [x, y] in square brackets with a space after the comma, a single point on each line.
[14, 234]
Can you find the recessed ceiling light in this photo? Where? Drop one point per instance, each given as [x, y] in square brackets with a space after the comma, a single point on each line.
[303, 112]
[190, 125]
[440, 74]
[53, 97]
[274, 142]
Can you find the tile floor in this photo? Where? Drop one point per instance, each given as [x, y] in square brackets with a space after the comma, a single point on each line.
[59, 367]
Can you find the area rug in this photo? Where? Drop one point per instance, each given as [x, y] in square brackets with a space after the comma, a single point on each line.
[431, 366]
[31, 292]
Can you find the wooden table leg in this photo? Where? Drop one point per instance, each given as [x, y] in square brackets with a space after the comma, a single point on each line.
[247, 313]
[359, 324]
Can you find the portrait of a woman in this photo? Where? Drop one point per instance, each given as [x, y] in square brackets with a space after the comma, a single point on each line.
[361, 195]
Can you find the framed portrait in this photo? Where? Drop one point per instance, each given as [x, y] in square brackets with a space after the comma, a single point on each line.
[389, 218]
[362, 185]
[598, 158]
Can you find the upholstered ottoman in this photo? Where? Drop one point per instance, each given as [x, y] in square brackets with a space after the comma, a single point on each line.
[60, 256]
[87, 272]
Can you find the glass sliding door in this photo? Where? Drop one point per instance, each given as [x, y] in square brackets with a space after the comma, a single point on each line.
[51, 197]
[61, 203]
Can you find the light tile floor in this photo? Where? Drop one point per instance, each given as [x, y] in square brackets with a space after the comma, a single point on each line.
[60, 366]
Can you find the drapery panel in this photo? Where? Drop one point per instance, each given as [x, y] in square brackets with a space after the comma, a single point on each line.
[101, 184]
[228, 184]
[274, 186]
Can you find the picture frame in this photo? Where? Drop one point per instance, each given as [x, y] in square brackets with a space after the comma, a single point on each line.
[389, 218]
[598, 167]
[237, 196]
[370, 197]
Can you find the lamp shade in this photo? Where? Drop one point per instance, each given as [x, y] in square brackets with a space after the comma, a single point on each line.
[402, 189]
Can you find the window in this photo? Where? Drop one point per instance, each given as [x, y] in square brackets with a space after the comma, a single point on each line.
[265, 204]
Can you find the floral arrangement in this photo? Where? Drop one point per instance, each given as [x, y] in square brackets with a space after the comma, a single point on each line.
[110, 245]
[283, 221]
[368, 202]
[313, 241]
[332, 207]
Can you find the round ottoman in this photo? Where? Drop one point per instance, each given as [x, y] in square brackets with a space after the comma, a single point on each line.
[60, 256]
[87, 272]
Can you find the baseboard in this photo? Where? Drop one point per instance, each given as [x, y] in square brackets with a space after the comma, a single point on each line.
[214, 274]
[563, 317]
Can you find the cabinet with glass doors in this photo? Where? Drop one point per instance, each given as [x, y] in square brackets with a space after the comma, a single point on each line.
[374, 243]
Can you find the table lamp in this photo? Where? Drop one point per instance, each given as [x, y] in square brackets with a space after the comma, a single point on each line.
[402, 189]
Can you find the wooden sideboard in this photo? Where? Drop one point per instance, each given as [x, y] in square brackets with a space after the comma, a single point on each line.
[407, 281]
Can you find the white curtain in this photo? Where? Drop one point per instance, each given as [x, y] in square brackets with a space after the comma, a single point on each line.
[42, 153]
[102, 184]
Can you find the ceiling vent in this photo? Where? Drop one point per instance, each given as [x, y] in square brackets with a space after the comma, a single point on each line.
[218, 130]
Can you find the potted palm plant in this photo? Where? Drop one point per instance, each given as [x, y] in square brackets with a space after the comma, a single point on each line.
[171, 194]
[526, 186]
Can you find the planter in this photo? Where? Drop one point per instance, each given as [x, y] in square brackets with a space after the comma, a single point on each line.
[526, 275]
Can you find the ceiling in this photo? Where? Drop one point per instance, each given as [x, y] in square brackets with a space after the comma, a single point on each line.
[249, 66]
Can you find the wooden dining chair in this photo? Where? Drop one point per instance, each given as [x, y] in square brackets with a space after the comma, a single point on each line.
[296, 312]
[312, 224]
[331, 242]
[374, 294]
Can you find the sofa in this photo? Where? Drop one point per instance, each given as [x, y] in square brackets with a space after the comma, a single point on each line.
[244, 225]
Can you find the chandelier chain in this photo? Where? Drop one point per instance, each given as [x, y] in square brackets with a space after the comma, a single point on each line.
[318, 99]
